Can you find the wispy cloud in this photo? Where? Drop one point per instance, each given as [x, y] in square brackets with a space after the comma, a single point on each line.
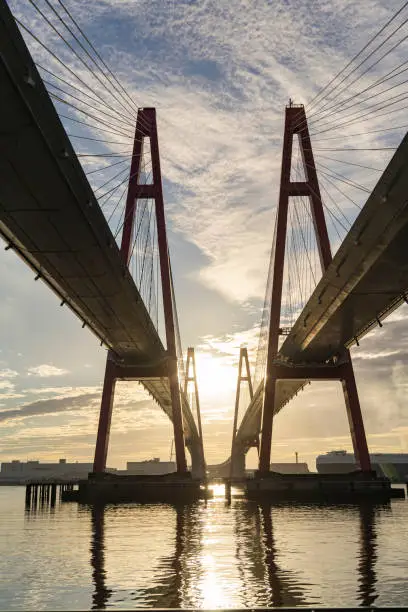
[7, 373]
[6, 384]
[50, 406]
[46, 371]
[220, 75]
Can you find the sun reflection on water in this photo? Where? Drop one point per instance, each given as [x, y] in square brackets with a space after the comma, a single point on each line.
[218, 490]
[213, 595]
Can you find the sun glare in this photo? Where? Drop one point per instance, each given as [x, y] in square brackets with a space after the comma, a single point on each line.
[218, 491]
[215, 377]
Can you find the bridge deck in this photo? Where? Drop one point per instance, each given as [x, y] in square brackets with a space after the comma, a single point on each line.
[50, 216]
[367, 278]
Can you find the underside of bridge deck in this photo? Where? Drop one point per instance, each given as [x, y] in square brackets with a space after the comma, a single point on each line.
[51, 218]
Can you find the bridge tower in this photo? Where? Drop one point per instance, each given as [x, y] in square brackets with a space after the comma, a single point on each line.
[146, 127]
[296, 124]
[237, 461]
[192, 378]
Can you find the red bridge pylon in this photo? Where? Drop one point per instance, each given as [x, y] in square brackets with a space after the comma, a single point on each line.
[296, 124]
[146, 127]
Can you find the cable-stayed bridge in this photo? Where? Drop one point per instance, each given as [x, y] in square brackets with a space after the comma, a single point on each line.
[317, 306]
[90, 222]
[364, 283]
[62, 227]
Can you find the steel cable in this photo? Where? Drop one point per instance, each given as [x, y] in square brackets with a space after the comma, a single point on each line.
[72, 49]
[376, 35]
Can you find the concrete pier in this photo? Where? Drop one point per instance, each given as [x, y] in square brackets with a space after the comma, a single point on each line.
[110, 488]
[317, 487]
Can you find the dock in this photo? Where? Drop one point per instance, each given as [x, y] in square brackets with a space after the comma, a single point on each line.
[45, 493]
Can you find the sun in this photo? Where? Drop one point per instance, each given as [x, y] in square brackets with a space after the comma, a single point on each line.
[216, 376]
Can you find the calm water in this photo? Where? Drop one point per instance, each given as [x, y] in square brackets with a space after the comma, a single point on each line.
[204, 555]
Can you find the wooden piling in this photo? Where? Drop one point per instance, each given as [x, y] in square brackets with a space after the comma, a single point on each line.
[28, 496]
[53, 495]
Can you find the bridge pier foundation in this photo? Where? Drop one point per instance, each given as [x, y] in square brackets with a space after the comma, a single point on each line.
[198, 468]
[238, 464]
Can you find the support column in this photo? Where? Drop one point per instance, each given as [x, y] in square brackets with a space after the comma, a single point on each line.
[267, 423]
[355, 419]
[105, 416]
[235, 456]
[276, 301]
[193, 379]
[169, 318]
[177, 415]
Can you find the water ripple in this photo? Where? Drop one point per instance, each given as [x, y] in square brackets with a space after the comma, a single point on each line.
[204, 555]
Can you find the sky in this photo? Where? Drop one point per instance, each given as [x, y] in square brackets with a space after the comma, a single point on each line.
[219, 74]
